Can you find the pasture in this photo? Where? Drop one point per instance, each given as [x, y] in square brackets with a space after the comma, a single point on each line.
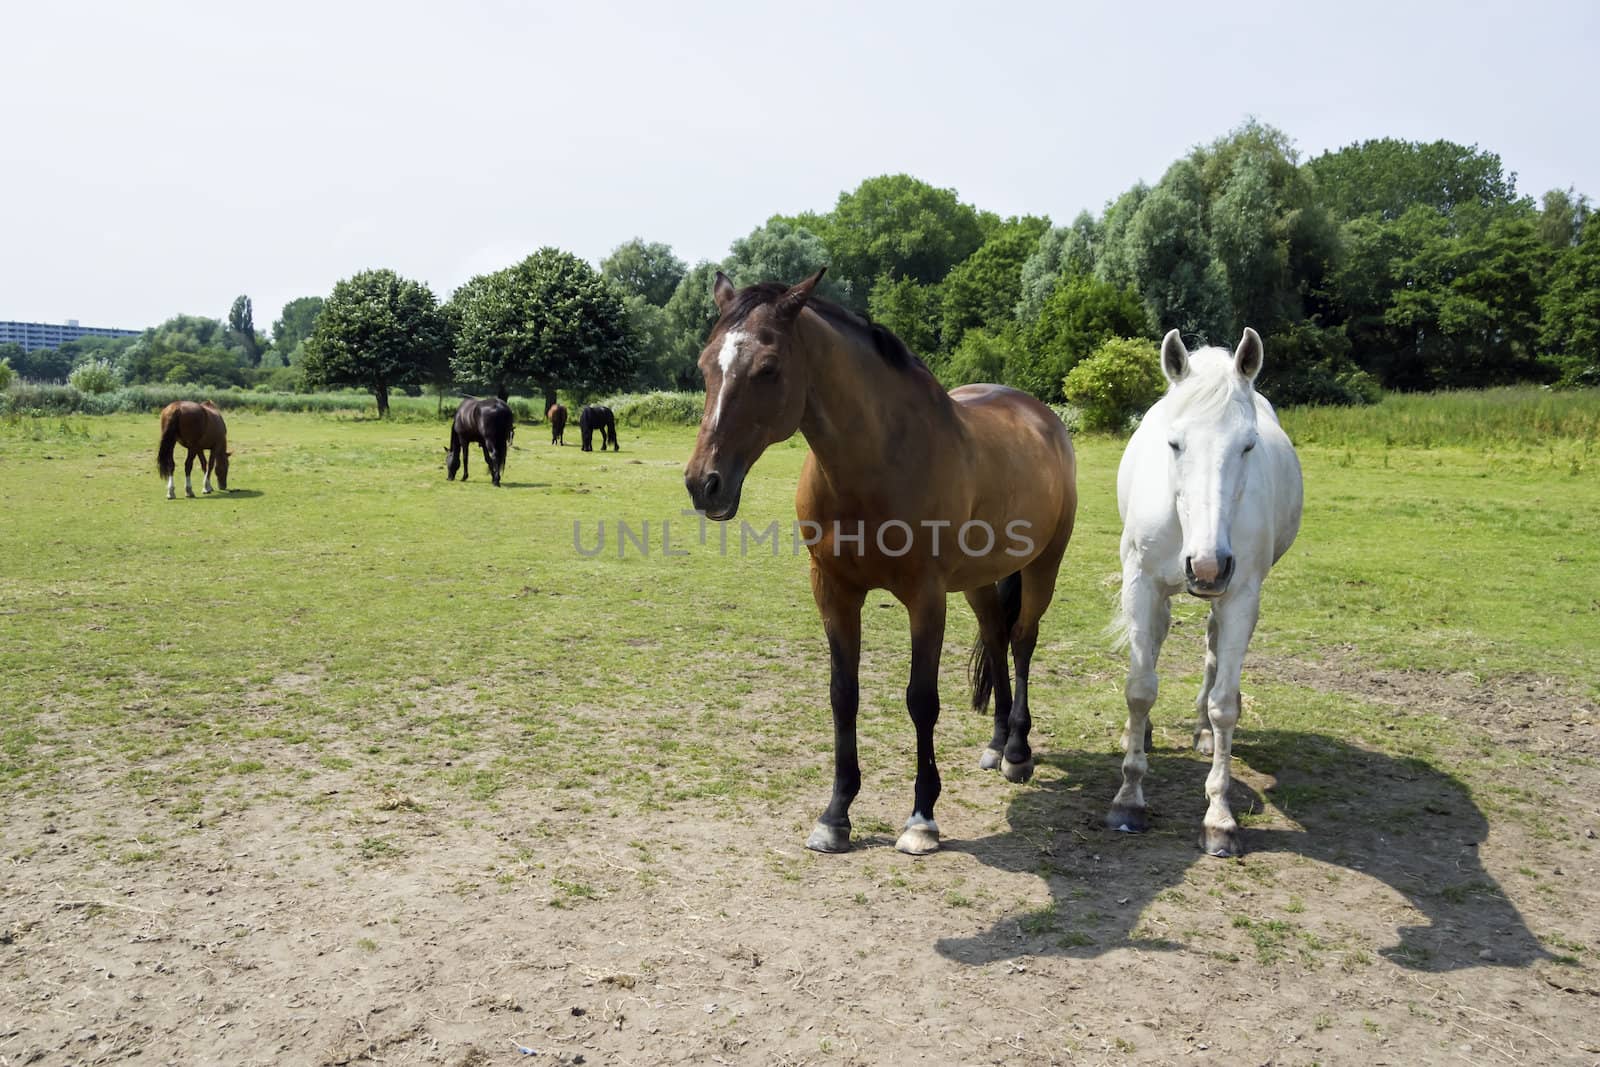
[357, 764]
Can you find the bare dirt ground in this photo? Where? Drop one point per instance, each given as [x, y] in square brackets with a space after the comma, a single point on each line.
[1383, 915]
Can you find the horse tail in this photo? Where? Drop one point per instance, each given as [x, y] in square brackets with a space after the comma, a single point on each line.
[979, 668]
[165, 464]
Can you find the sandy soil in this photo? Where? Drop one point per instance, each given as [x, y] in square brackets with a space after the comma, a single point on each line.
[359, 926]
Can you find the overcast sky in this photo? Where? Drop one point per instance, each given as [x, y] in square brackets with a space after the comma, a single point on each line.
[158, 158]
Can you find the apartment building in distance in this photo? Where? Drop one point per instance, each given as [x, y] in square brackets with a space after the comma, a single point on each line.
[32, 335]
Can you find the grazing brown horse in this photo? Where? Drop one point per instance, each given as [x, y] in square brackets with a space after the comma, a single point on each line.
[558, 423]
[490, 423]
[200, 429]
[907, 488]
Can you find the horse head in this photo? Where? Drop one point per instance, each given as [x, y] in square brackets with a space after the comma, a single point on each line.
[1211, 432]
[755, 388]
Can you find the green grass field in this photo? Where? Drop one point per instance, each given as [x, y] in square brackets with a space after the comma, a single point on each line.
[358, 744]
[347, 598]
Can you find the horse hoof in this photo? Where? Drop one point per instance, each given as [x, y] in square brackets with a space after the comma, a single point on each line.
[1221, 843]
[1017, 772]
[920, 837]
[826, 838]
[989, 760]
[189, 493]
[1128, 820]
[1202, 743]
[172, 496]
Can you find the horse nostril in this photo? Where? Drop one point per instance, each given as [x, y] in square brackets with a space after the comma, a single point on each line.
[713, 482]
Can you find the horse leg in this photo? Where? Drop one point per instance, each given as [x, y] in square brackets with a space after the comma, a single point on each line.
[992, 633]
[1149, 614]
[188, 473]
[840, 608]
[466, 454]
[205, 470]
[921, 833]
[489, 461]
[1235, 616]
[1202, 718]
[1038, 589]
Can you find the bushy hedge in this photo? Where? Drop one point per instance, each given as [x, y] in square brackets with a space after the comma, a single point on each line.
[97, 376]
[29, 398]
[659, 408]
[1119, 380]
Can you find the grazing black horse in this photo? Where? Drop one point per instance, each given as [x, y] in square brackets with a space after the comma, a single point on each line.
[595, 417]
[488, 422]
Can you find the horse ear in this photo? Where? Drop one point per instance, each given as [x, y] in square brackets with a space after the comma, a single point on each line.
[791, 303]
[1248, 356]
[722, 291]
[1174, 357]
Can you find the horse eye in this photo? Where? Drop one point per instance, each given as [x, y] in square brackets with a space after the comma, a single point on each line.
[1249, 446]
[1175, 446]
[767, 371]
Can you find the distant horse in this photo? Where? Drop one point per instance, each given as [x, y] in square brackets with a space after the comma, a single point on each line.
[596, 417]
[490, 423]
[1210, 493]
[558, 424]
[907, 488]
[200, 429]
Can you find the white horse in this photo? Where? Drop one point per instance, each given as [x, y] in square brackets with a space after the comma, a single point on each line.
[1209, 491]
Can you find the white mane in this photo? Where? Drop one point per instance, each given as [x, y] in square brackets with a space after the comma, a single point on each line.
[1212, 385]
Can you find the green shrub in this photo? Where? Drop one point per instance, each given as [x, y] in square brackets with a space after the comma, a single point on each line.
[6, 374]
[659, 408]
[97, 376]
[1118, 381]
[981, 356]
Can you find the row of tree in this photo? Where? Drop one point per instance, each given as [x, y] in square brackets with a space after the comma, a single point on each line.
[1385, 264]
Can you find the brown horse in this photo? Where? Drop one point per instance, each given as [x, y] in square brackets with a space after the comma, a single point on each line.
[558, 423]
[907, 488]
[200, 429]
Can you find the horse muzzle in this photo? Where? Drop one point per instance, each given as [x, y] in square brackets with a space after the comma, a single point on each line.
[1213, 579]
[715, 493]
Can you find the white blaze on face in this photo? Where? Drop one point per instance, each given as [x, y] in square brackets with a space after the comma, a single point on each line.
[728, 358]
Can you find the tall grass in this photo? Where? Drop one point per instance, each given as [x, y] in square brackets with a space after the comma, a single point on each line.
[1512, 416]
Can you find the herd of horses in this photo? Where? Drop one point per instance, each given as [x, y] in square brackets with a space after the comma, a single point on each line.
[487, 422]
[899, 474]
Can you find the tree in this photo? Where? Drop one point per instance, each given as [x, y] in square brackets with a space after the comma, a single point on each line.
[983, 289]
[242, 328]
[1466, 307]
[377, 331]
[650, 271]
[1562, 215]
[1390, 177]
[550, 322]
[688, 318]
[1165, 252]
[1082, 314]
[781, 251]
[188, 349]
[1571, 307]
[898, 226]
[911, 310]
[294, 325]
[1060, 253]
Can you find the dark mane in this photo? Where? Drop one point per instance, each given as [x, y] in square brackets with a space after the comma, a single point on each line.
[885, 343]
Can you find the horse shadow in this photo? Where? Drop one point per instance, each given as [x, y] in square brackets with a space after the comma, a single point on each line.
[238, 494]
[1398, 820]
